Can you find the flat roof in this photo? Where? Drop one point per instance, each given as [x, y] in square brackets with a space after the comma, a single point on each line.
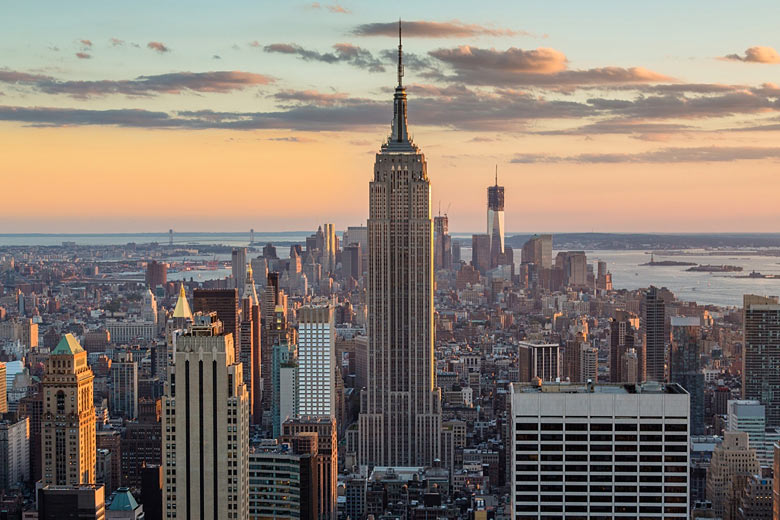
[598, 388]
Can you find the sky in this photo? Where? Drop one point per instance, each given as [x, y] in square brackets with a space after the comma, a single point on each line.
[600, 116]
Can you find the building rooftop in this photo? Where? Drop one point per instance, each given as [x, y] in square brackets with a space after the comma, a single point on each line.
[685, 321]
[68, 345]
[123, 501]
[597, 388]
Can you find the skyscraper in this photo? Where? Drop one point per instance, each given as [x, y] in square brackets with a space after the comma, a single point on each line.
[401, 419]
[538, 250]
[329, 248]
[761, 350]
[123, 400]
[249, 344]
[685, 365]
[238, 266]
[654, 336]
[224, 302]
[206, 415]
[622, 338]
[480, 252]
[68, 421]
[495, 221]
[442, 243]
[316, 361]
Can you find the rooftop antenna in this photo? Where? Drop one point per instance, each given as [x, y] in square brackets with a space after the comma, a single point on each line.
[400, 56]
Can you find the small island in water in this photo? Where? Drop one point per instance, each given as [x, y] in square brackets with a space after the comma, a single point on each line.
[715, 269]
[666, 263]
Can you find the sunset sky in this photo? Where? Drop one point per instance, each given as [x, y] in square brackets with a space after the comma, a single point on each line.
[220, 116]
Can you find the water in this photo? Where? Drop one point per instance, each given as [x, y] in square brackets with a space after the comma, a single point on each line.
[723, 289]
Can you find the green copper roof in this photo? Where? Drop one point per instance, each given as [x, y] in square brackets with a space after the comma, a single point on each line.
[68, 345]
[123, 501]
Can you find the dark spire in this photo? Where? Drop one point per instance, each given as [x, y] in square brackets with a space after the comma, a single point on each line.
[399, 140]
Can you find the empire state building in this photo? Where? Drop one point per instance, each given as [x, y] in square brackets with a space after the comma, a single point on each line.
[400, 418]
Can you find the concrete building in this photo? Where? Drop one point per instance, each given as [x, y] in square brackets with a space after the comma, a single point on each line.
[733, 457]
[15, 453]
[123, 397]
[538, 250]
[68, 420]
[622, 338]
[225, 303]
[400, 418]
[156, 274]
[599, 451]
[749, 416]
[283, 481]
[284, 385]
[761, 332]
[542, 360]
[442, 243]
[654, 336]
[206, 423]
[480, 252]
[123, 332]
[316, 360]
[238, 268]
[79, 502]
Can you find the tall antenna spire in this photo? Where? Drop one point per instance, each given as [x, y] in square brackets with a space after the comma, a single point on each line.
[400, 56]
[496, 175]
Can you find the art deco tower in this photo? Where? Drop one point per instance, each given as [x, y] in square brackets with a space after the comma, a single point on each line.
[68, 420]
[401, 418]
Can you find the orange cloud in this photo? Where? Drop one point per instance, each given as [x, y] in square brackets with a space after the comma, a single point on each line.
[159, 47]
[758, 54]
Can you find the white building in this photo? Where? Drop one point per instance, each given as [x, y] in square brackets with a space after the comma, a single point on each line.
[123, 332]
[749, 416]
[14, 453]
[599, 451]
[206, 419]
[316, 361]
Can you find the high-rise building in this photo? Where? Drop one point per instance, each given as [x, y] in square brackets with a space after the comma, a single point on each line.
[654, 336]
[3, 389]
[225, 303]
[495, 221]
[622, 338]
[749, 416]
[274, 331]
[285, 386]
[238, 268]
[538, 250]
[329, 248]
[15, 453]
[68, 421]
[574, 265]
[480, 252]
[206, 419]
[156, 274]
[352, 261]
[761, 350]
[599, 451]
[250, 346]
[323, 430]
[442, 243]
[316, 361]
[733, 457]
[400, 422]
[685, 365]
[282, 482]
[123, 396]
[539, 360]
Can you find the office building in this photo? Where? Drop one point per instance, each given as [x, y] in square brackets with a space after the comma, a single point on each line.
[225, 303]
[760, 352]
[316, 360]
[654, 336]
[285, 385]
[495, 222]
[749, 416]
[539, 360]
[599, 451]
[442, 243]
[250, 346]
[574, 266]
[538, 250]
[15, 453]
[206, 419]
[238, 269]
[323, 431]
[123, 396]
[352, 261]
[124, 506]
[622, 338]
[156, 274]
[733, 457]
[141, 444]
[68, 420]
[78, 502]
[3, 389]
[400, 420]
[151, 492]
[283, 481]
[480, 252]
[685, 365]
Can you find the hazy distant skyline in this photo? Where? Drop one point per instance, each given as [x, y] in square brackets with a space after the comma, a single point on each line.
[197, 116]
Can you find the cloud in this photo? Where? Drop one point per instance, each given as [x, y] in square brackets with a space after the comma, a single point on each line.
[758, 54]
[535, 67]
[171, 83]
[86, 43]
[158, 46]
[83, 56]
[344, 53]
[662, 155]
[426, 29]
[116, 42]
[216, 57]
[311, 96]
[333, 8]
[290, 139]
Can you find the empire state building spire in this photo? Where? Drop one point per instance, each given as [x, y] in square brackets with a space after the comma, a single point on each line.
[399, 140]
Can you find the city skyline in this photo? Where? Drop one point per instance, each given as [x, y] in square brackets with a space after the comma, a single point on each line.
[597, 127]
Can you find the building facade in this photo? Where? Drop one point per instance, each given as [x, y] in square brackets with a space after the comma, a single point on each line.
[316, 361]
[761, 332]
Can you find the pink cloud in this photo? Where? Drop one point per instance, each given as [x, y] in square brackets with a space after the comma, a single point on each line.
[83, 56]
[758, 54]
[158, 46]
